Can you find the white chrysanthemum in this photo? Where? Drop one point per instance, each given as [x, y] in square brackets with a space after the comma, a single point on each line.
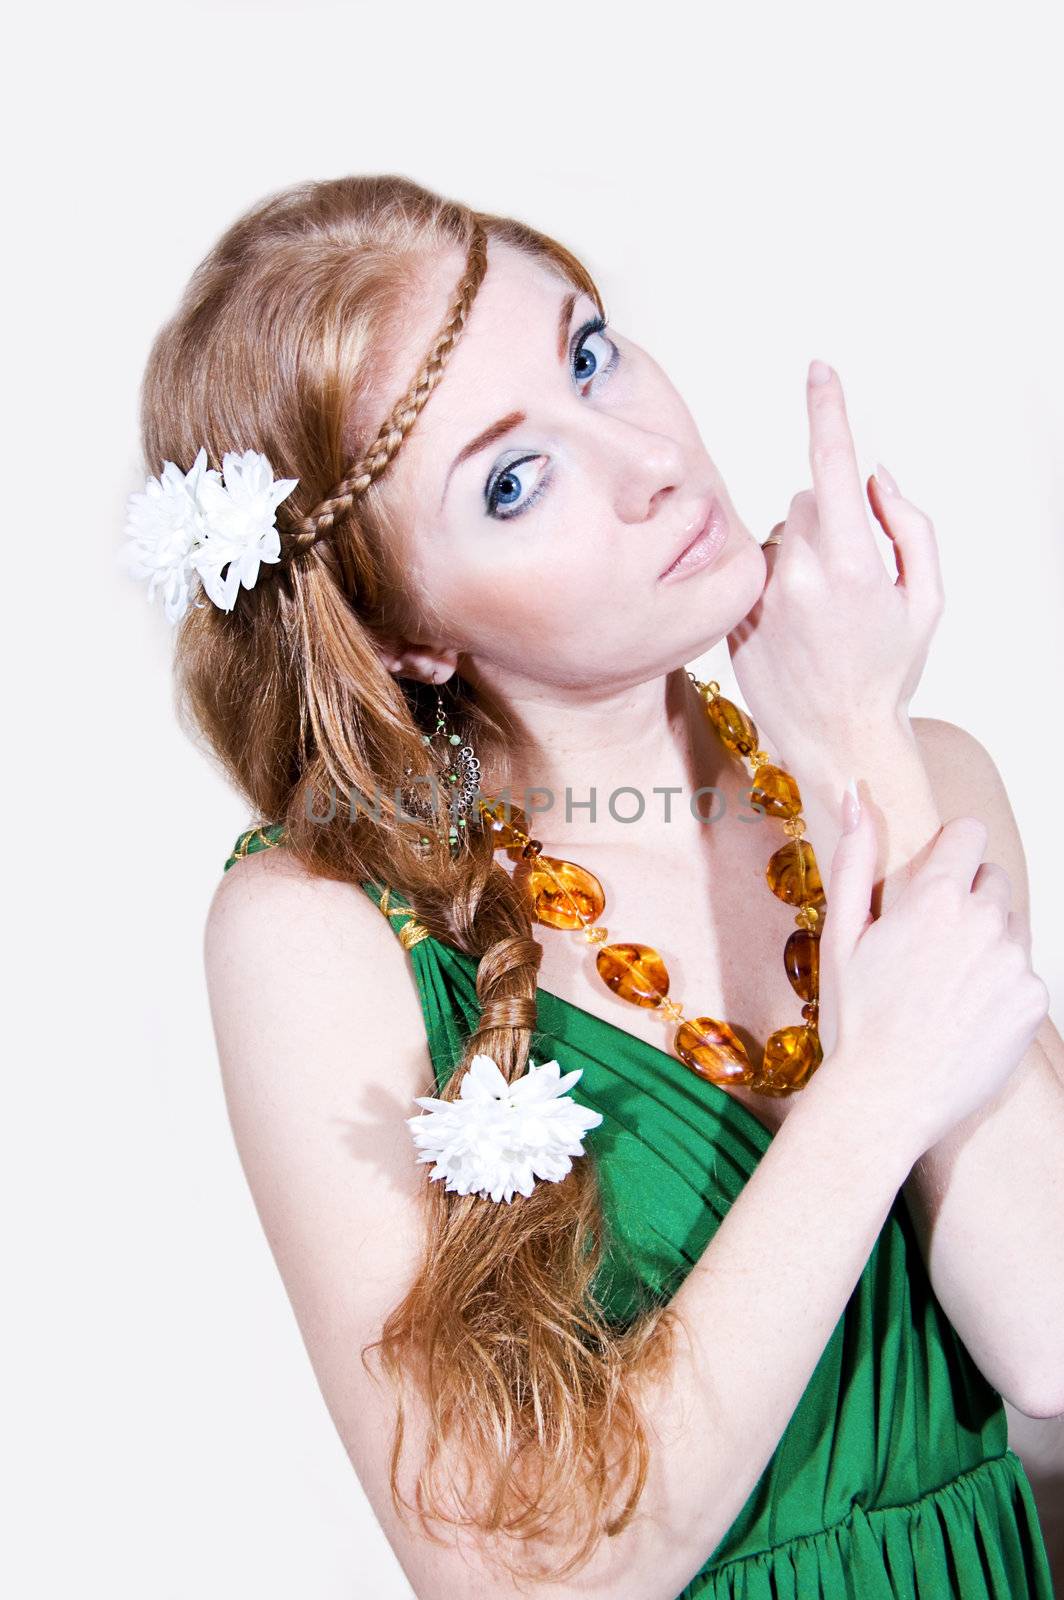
[239, 524]
[164, 524]
[188, 525]
[499, 1137]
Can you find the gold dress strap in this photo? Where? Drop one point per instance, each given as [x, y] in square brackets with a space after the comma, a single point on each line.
[410, 932]
[253, 840]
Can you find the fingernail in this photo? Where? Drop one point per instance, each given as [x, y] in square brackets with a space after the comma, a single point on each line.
[819, 372]
[851, 807]
[883, 477]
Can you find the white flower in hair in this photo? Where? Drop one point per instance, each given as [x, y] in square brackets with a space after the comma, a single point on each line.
[499, 1137]
[163, 525]
[240, 524]
[188, 525]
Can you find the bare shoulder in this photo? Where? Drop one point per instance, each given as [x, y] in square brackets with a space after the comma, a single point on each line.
[270, 887]
[286, 947]
[966, 782]
[319, 1029]
[315, 1009]
[962, 771]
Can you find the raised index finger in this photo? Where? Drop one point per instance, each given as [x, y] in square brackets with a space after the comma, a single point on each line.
[844, 527]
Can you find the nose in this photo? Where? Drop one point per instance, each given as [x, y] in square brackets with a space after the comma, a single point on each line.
[647, 466]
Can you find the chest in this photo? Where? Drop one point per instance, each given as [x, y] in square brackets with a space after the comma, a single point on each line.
[720, 933]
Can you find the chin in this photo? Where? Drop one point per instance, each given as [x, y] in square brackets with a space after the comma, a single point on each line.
[723, 593]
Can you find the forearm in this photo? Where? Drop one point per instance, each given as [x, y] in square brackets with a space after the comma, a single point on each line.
[757, 1311]
[987, 1204]
[987, 1201]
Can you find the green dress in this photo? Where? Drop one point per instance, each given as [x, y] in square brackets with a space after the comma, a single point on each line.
[893, 1477]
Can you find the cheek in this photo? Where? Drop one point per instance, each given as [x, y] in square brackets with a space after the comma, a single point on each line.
[519, 599]
[534, 565]
[573, 617]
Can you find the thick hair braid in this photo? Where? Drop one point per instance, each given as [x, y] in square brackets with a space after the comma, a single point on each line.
[509, 963]
[403, 414]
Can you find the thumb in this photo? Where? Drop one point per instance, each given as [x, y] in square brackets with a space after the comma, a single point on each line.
[849, 895]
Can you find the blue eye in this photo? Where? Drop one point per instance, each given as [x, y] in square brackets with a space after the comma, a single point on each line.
[596, 326]
[505, 488]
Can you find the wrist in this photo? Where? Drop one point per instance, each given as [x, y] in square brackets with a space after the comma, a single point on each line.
[877, 745]
[893, 783]
[837, 1101]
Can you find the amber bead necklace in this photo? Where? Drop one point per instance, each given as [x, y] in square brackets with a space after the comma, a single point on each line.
[567, 896]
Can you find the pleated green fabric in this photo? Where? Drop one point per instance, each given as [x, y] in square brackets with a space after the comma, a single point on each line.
[893, 1477]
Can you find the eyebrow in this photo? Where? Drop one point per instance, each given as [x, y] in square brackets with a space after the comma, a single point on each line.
[513, 419]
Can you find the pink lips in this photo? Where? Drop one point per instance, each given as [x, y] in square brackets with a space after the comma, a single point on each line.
[707, 543]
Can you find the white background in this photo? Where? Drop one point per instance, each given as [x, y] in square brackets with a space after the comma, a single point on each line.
[877, 185]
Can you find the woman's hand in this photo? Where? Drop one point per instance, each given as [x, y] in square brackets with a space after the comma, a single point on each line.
[834, 648]
[926, 1011]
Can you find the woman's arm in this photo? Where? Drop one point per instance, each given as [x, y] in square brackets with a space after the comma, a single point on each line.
[321, 1044]
[987, 1201]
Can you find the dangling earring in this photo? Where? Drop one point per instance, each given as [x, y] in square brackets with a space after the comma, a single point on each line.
[461, 774]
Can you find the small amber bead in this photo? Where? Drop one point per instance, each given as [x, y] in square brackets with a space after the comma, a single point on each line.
[809, 917]
[563, 894]
[594, 933]
[711, 1049]
[671, 1009]
[792, 874]
[532, 848]
[801, 959]
[636, 972]
[811, 1011]
[776, 792]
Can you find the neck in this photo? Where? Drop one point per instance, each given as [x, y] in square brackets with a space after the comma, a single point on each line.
[634, 745]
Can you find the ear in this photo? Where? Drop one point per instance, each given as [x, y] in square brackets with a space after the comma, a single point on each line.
[405, 658]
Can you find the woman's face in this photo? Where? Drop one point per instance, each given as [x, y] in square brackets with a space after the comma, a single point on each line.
[552, 476]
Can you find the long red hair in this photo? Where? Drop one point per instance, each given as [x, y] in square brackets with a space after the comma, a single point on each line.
[277, 345]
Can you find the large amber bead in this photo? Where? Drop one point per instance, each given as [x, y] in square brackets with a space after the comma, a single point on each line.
[792, 874]
[563, 894]
[792, 1055]
[801, 958]
[711, 1049]
[776, 792]
[634, 971]
[737, 731]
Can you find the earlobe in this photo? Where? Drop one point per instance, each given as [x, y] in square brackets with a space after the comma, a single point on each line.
[404, 659]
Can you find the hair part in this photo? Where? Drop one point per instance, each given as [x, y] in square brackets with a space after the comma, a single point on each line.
[278, 344]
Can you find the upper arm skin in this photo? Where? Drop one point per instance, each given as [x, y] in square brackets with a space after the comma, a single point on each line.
[322, 1048]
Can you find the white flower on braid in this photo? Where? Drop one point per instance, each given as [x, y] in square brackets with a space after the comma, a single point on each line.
[497, 1137]
[185, 526]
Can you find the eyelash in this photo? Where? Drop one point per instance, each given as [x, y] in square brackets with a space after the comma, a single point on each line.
[596, 325]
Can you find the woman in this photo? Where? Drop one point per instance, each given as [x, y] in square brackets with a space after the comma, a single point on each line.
[700, 1353]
